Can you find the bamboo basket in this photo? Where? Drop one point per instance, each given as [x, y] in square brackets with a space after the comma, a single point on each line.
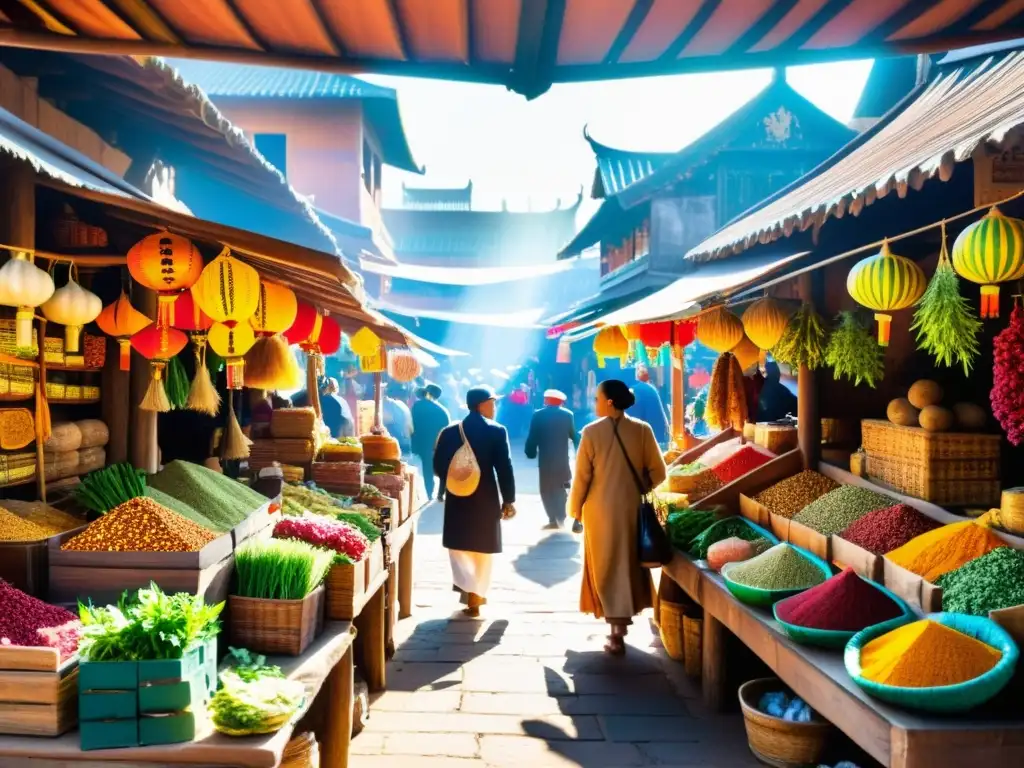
[670, 625]
[16, 381]
[276, 626]
[339, 476]
[263, 453]
[776, 741]
[17, 467]
[17, 428]
[1011, 510]
[8, 340]
[293, 423]
[345, 586]
[392, 486]
[777, 438]
[972, 482]
[693, 646]
[890, 441]
[302, 751]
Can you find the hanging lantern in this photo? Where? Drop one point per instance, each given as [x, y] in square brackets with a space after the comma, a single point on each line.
[158, 345]
[990, 251]
[563, 354]
[364, 342]
[631, 332]
[403, 366]
[25, 286]
[188, 316]
[73, 307]
[655, 335]
[122, 321]
[231, 343]
[270, 364]
[747, 353]
[885, 283]
[276, 309]
[228, 289]
[686, 333]
[609, 342]
[765, 321]
[306, 318]
[328, 341]
[719, 329]
[167, 264]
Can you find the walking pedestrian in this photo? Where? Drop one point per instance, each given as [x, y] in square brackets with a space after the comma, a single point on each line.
[604, 498]
[552, 431]
[397, 417]
[472, 524]
[429, 417]
[649, 406]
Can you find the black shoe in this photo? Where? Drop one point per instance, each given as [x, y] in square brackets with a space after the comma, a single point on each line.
[577, 526]
[551, 527]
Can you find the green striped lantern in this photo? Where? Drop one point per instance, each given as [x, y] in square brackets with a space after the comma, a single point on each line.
[990, 251]
[885, 283]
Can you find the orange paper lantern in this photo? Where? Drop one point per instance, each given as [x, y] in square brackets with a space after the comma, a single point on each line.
[122, 321]
[168, 264]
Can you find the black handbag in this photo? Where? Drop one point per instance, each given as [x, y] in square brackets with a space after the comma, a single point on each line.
[653, 547]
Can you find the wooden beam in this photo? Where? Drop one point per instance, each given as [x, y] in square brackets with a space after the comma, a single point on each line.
[396, 20]
[337, 46]
[690, 31]
[540, 29]
[812, 26]
[636, 17]
[144, 447]
[245, 24]
[763, 26]
[147, 22]
[808, 415]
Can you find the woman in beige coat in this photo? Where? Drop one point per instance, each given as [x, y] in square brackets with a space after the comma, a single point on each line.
[605, 498]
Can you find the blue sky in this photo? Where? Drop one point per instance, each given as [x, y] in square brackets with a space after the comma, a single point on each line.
[533, 152]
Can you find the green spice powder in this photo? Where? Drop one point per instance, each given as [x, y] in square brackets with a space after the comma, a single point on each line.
[781, 567]
[988, 583]
[834, 511]
[218, 498]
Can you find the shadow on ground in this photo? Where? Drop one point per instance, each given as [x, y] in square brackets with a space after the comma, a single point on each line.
[552, 560]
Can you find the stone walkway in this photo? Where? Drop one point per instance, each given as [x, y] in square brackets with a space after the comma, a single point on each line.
[528, 683]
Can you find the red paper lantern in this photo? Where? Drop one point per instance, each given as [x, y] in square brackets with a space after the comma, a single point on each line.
[305, 321]
[329, 339]
[686, 332]
[159, 344]
[655, 335]
[188, 316]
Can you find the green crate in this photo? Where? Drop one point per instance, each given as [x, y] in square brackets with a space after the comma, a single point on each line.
[166, 670]
[108, 705]
[167, 729]
[108, 734]
[173, 696]
[108, 675]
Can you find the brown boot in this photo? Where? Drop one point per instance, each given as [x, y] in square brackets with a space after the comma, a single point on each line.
[473, 604]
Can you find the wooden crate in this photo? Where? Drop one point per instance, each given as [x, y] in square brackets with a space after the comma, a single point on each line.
[846, 554]
[26, 564]
[920, 594]
[38, 693]
[345, 587]
[755, 511]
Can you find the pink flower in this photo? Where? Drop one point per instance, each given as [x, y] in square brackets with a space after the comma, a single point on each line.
[324, 532]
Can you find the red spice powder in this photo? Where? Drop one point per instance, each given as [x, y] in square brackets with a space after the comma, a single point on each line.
[887, 529]
[843, 603]
[741, 462]
[27, 621]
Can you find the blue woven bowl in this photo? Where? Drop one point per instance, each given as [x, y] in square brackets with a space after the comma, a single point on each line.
[943, 698]
[767, 597]
[836, 639]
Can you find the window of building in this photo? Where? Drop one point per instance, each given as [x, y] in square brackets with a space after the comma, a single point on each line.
[274, 147]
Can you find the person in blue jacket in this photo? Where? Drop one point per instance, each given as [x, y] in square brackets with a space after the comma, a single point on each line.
[552, 431]
[429, 417]
[649, 407]
[472, 524]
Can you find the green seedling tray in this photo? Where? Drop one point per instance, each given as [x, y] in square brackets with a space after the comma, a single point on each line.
[107, 705]
[108, 675]
[108, 734]
[167, 729]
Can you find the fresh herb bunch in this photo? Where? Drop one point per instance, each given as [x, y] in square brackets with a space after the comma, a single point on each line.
[362, 522]
[853, 352]
[103, 489]
[280, 569]
[946, 326]
[254, 697]
[177, 383]
[803, 342]
[146, 625]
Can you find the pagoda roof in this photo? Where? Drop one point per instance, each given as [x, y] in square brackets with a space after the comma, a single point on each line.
[222, 81]
[618, 168]
[438, 198]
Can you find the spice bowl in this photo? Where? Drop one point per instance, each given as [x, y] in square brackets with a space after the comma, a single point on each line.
[836, 639]
[768, 597]
[944, 698]
[776, 741]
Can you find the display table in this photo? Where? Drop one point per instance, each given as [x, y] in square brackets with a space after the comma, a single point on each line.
[895, 737]
[400, 575]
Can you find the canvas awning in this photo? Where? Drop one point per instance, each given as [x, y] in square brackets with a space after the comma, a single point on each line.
[979, 101]
[428, 346]
[525, 46]
[473, 276]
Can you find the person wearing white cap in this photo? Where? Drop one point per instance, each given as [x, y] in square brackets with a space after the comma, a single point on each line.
[552, 430]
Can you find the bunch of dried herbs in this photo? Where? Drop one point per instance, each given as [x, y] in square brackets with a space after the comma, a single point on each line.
[803, 342]
[853, 352]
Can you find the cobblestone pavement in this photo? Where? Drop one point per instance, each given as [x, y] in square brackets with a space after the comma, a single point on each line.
[528, 683]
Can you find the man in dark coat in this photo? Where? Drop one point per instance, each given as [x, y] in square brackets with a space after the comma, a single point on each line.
[552, 430]
[429, 417]
[472, 524]
[649, 407]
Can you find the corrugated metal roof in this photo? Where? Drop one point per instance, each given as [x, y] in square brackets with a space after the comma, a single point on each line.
[923, 138]
[618, 168]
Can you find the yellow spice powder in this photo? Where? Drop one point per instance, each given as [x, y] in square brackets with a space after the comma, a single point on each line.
[926, 654]
[945, 549]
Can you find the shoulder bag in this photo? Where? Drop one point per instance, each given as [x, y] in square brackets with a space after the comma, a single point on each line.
[653, 547]
[464, 471]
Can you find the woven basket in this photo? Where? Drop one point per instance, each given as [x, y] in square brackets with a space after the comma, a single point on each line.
[693, 646]
[17, 381]
[338, 477]
[1011, 510]
[276, 626]
[670, 625]
[777, 741]
[345, 586]
[392, 486]
[342, 453]
[890, 441]
[776, 438]
[263, 453]
[301, 752]
[61, 465]
[17, 428]
[9, 339]
[970, 482]
[90, 392]
[293, 423]
[17, 467]
[380, 448]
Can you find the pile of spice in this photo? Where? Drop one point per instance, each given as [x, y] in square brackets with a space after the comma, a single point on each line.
[27, 621]
[887, 529]
[945, 549]
[14, 528]
[326, 533]
[728, 528]
[781, 567]
[42, 514]
[989, 583]
[838, 508]
[687, 469]
[745, 460]
[789, 496]
[184, 510]
[221, 500]
[844, 603]
[925, 654]
[734, 550]
[141, 525]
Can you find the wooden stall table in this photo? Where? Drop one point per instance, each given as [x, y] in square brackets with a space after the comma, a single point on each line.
[400, 575]
[372, 633]
[326, 669]
[895, 737]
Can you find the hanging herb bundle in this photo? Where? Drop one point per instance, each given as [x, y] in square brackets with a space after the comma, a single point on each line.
[853, 352]
[1007, 395]
[737, 397]
[727, 398]
[947, 328]
[803, 342]
[177, 383]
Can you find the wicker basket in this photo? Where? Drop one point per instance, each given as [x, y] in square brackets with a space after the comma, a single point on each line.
[263, 453]
[293, 423]
[777, 438]
[17, 381]
[345, 586]
[17, 467]
[890, 441]
[8, 340]
[301, 752]
[955, 483]
[392, 486]
[276, 626]
[342, 477]
[670, 624]
[776, 741]
[693, 646]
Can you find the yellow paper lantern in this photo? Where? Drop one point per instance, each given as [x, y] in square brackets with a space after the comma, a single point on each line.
[631, 332]
[765, 321]
[275, 310]
[231, 343]
[25, 286]
[990, 251]
[885, 283]
[364, 342]
[228, 290]
[375, 363]
[610, 342]
[719, 330]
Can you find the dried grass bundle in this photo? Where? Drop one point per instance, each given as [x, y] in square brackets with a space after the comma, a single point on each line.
[271, 365]
[202, 395]
[236, 444]
[156, 398]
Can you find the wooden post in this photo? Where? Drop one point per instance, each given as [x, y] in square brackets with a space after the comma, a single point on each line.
[370, 624]
[391, 609]
[678, 396]
[808, 418]
[378, 397]
[41, 393]
[405, 560]
[337, 732]
[116, 404]
[713, 676]
[144, 448]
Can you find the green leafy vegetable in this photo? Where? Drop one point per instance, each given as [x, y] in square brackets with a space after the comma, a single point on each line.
[280, 569]
[946, 326]
[803, 342]
[853, 352]
[254, 697]
[103, 489]
[177, 383]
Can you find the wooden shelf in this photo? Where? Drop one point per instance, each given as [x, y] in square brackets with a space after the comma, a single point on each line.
[71, 368]
[16, 483]
[72, 401]
[16, 398]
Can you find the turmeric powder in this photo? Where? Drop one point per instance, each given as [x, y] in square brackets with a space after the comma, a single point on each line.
[945, 549]
[925, 654]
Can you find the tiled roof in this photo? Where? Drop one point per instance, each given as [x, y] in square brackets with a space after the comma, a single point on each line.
[618, 168]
